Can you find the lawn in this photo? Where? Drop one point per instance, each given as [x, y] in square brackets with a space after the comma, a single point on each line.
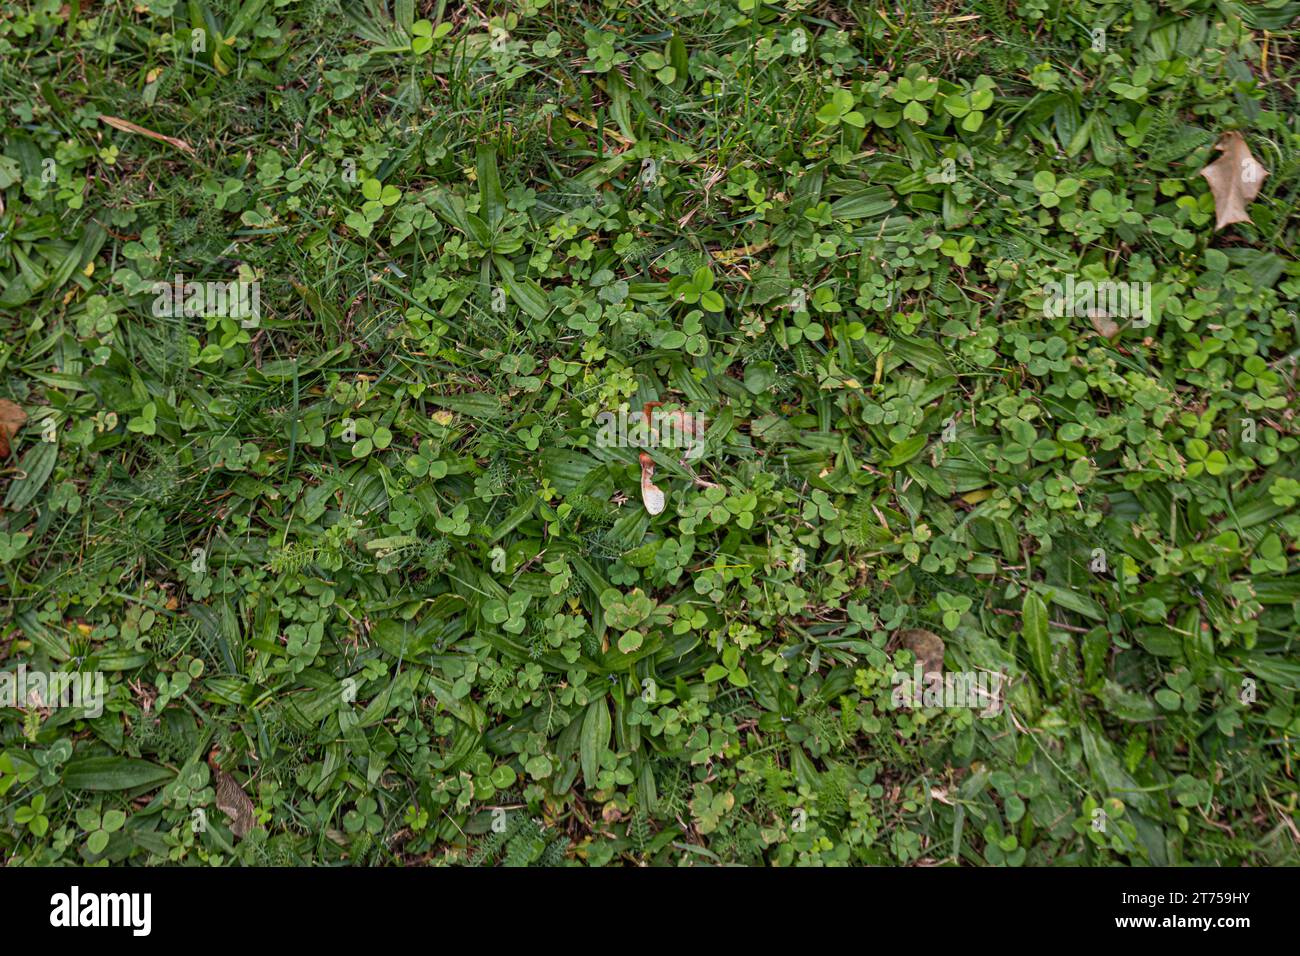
[679, 432]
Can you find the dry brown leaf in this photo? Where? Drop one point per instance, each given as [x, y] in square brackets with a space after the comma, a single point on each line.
[234, 803]
[1235, 179]
[126, 126]
[651, 496]
[927, 646]
[1104, 326]
[675, 421]
[11, 419]
[677, 418]
[231, 800]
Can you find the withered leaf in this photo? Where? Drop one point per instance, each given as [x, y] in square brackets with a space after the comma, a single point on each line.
[232, 801]
[675, 420]
[126, 126]
[927, 646]
[11, 419]
[1235, 179]
[651, 496]
[1103, 324]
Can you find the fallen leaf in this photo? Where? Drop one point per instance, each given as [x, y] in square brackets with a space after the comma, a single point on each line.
[126, 126]
[11, 419]
[679, 419]
[231, 800]
[651, 496]
[1104, 326]
[1235, 179]
[676, 423]
[927, 646]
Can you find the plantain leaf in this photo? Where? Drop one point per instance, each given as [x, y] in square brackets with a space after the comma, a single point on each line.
[596, 726]
[1034, 629]
[113, 773]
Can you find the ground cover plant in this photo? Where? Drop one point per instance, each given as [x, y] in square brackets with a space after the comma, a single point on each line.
[578, 434]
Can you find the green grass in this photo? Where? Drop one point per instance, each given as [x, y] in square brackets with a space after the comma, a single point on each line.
[363, 561]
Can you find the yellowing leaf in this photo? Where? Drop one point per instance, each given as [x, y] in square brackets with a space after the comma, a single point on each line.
[729, 256]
